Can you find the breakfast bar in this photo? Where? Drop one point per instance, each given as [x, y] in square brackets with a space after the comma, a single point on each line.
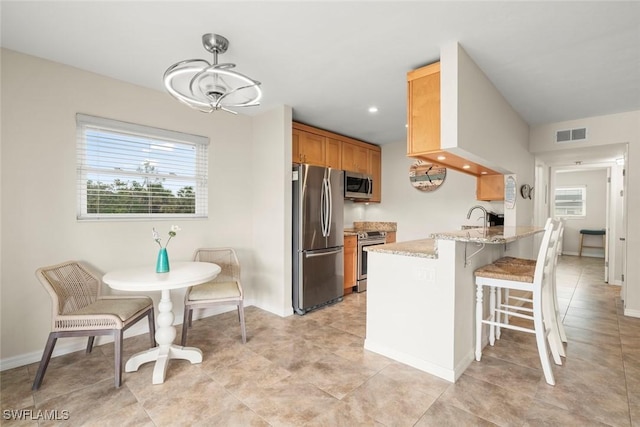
[421, 295]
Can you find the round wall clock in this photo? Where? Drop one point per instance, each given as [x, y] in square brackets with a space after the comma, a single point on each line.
[426, 176]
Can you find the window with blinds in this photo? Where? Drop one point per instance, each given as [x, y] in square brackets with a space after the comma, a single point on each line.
[129, 171]
[571, 201]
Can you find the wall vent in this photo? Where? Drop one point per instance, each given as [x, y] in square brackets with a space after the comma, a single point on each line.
[570, 135]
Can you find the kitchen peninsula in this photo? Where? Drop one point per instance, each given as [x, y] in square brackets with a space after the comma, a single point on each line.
[421, 295]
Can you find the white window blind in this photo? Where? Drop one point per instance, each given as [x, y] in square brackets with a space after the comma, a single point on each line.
[571, 201]
[128, 171]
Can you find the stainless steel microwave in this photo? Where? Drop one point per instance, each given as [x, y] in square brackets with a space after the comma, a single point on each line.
[357, 185]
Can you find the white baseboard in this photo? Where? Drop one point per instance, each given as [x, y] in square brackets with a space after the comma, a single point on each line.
[407, 359]
[631, 313]
[583, 254]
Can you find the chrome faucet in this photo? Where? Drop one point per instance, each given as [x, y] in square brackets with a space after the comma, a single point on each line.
[483, 210]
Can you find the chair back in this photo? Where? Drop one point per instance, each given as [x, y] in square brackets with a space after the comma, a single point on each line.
[70, 285]
[545, 261]
[226, 258]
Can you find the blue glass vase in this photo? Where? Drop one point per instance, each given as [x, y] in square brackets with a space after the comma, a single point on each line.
[162, 265]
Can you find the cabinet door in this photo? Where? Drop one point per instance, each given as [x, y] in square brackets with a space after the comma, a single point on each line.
[375, 170]
[350, 260]
[391, 237]
[311, 148]
[490, 187]
[423, 109]
[334, 153]
[355, 158]
[296, 157]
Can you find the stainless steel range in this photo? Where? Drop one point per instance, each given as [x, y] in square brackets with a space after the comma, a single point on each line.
[366, 238]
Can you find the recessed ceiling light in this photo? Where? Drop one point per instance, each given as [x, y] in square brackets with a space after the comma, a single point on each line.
[373, 109]
[466, 166]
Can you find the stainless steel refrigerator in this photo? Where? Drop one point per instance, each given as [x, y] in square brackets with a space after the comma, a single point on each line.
[318, 237]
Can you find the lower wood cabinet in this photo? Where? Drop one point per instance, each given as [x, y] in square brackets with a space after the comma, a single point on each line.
[391, 237]
[350, 263]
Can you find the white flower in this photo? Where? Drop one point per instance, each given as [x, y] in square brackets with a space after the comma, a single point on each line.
[172, 233]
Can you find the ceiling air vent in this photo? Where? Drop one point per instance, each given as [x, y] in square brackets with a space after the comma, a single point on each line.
[569, 135]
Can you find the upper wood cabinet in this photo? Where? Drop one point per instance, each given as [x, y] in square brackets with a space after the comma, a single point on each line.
[423, 110]
[490, 187]
[323, 148]
[424, 118]
[355, 157]
[333, 153]
[375, 170]
[308, 147]
[313, 146]
[391, 237]
[423, 133]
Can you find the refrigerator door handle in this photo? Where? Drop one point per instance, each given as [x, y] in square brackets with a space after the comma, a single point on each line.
[330, 206]
[325, 202]
[317, 254]
[323, 211]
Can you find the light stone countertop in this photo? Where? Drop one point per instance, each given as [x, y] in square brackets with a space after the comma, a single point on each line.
[375, 226]
[492, 235]
[425, 248]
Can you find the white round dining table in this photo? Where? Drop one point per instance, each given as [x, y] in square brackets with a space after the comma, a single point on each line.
[141, 279]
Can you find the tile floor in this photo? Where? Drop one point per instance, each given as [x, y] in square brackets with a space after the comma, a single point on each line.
[313, 371]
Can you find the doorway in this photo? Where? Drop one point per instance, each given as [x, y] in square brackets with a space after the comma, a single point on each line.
[594, 180]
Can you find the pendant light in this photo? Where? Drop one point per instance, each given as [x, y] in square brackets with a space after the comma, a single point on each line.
[210, 87]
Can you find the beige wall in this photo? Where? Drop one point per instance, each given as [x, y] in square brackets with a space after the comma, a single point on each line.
[39, 102]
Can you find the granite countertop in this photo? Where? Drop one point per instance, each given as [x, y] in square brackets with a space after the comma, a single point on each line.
[491, 235]
[375, 226]
[425, 248]
[370, 226]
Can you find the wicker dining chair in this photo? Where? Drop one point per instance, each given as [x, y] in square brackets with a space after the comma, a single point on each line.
[79, 309]
[225, 289]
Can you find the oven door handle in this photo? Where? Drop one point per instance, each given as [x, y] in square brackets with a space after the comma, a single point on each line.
[316, 254]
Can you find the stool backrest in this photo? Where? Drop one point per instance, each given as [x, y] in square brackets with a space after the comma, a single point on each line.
[545, 260]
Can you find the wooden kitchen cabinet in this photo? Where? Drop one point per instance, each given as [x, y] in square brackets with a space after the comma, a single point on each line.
[375, 170]
[308, 147]
[350, 263]
[423, 123]
[424, 110]
[490, 187]
[333, 153]
[355, 157]
[323, 148]
[391, 237]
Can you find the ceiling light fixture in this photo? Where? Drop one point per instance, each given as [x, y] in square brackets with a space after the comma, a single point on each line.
[373, 110]
[210, 87]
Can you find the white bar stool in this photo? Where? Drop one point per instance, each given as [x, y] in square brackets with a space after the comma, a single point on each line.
[523, 278]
